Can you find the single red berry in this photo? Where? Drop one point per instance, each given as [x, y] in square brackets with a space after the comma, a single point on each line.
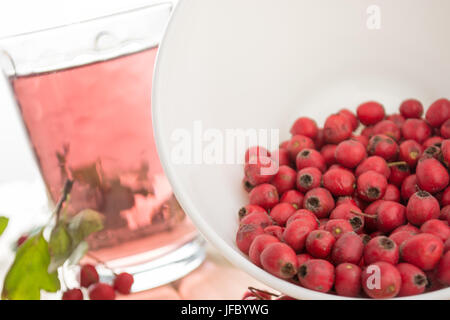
[371, 186]
[414, 280]
[258, 245]
[297, 144]
[306, 127]
[445, 214]
[310, 158]
[348, 212]
[296, 233]
[392, 193]
[390, 215]
[303, 257]
[256, 151]
[381, 248]
[348, 248]
[388, 128]
[422, 250]
[260, 170]
[246, 234]
[264, 195]
[416, 129]
[432, 176]
[73, 294]
[88, 275]
[436, 227]
[280, 260]
[102, 291]
[249, 209]
[411, 108]
[282, 157]
[383, 146]
[293, 197]
[445, 198]
[445, 152]
[123, 283]
[445, 129]
[400, 237]
[308, 178]
[351, 117]
[319, 201]
[361, 139]
[316, 274]
[398, 119]
[350, 153]
[370, 113]
[337, 128]
[257, 218]
[381, 280]
[282, 212]
[348, 280]
[422, 207]
[306, 216]
[409, 187]
[284, 179]
[443, 270]
[410, 152]
[339, 182]
[399, 172]
[319, 243]
[373, 163]
[438, 113]
[275, 231]
[328, 153]
[338, 227]
[432, 141]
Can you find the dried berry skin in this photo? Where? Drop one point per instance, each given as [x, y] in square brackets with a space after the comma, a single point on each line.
[371, 186]
[348, 248]
[293, 197]
[381, 248]
[306, 127]
[416, 129]
[308, 178]
[383, 146]
[258, 245]
[337, 128]
[339, 182]
[310, 158]
[350, 153]
[264, 195]
[422, 207]
[438, 112]
[431, 175]
[297, 144]
[411, 108]
[284, 179]
[282, 212]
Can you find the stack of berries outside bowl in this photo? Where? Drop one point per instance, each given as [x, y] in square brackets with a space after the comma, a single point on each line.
[358, 208]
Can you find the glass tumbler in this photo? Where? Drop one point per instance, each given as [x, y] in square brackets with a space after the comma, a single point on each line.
[84, 93]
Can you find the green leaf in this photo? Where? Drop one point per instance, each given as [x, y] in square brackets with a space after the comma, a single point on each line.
[60, 246]
[29, 274]
[85, 223]
[3, 224]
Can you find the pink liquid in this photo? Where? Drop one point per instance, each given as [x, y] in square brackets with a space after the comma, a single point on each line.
[93, 124]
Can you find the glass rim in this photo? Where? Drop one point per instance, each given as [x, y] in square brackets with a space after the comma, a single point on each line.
[89, 20]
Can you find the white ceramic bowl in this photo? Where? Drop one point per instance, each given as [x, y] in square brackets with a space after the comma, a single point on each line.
[262, 63]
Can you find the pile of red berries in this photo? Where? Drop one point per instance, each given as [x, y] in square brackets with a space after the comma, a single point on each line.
[90, 280]
[357, 214]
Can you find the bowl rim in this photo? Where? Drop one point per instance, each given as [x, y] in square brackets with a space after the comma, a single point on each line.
[232, 255]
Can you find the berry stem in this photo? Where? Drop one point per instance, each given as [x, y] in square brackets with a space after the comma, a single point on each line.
[396, 163]
[257, 292]
[65, 193]
[373, 216]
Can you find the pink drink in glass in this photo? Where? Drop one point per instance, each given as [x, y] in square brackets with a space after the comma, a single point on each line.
[92, 123]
